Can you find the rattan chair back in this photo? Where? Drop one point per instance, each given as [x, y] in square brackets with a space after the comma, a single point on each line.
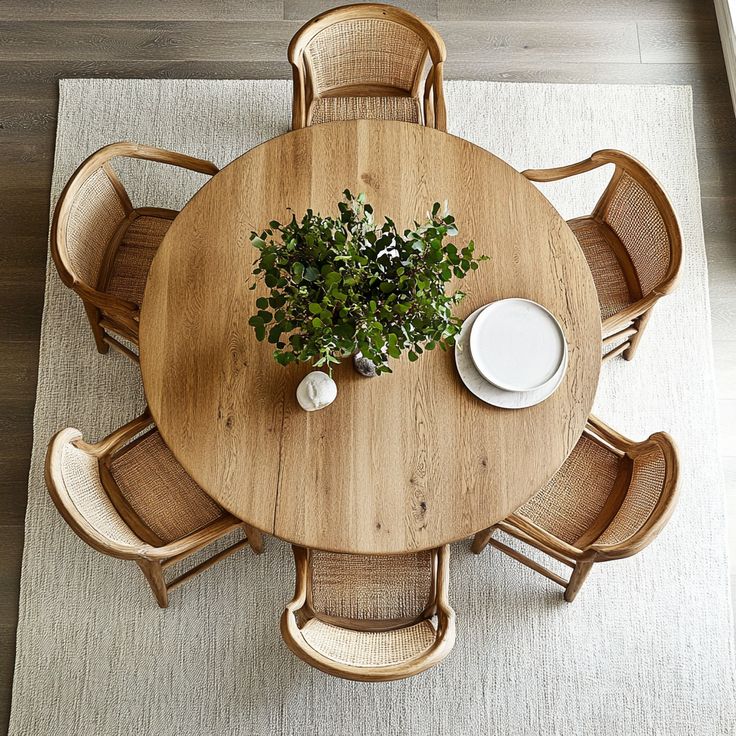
[367, 51]
[370, 618]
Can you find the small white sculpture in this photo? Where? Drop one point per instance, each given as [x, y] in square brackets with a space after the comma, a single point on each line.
[316, 391]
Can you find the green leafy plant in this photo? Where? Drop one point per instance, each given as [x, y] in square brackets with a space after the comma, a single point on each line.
[341, 285]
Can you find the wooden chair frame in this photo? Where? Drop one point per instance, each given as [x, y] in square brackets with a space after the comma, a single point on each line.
[299, 611]
[629, 323]
[107, 313]
[581, 555]
[152, 558]
[305, 94]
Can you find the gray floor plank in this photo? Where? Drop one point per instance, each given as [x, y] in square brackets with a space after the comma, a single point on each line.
[679, 42]
[573, 10]
[267, 41]
[306, 9]
[512, 42]
[199, 10]
[133, 40]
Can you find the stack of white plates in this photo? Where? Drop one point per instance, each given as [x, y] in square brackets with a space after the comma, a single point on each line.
[511, 353]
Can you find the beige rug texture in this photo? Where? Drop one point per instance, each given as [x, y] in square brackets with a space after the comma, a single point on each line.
[647, 648]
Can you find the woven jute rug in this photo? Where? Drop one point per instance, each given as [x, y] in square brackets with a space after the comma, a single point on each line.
[647, 647]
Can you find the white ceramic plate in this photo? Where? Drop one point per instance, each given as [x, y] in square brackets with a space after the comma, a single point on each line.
[489, 393]
[517, 345]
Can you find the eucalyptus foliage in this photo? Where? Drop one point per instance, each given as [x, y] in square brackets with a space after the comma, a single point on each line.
[341, 285]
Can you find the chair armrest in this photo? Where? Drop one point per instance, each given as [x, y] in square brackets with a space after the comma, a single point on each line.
[515, 522]
[562, 172]
[163, 156]
[301, 563]
[663, 508]
[119, 308]
[601, 430]
[119, 437]
[194, 541]
[631, 312]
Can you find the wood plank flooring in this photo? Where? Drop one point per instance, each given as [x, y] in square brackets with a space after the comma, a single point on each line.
[573, 41]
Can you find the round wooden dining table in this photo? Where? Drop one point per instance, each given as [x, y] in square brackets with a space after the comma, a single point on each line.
[399, 462]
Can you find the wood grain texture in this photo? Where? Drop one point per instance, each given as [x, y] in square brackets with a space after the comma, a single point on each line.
[93, 40]
[531, 41]
[81, 10]
[573, 10]
[266, 40]
[387, 468]
[667, 42]
[305, 9]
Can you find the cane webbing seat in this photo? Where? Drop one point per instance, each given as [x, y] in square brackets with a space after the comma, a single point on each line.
[134, 255]
[632, 243]
[160, 491]
[609, 500]
[614, 293]
[371, 586]
[574, 497]
[367, 61]
[103, 246]
[404, 109]
[127, 497]
[367, 617]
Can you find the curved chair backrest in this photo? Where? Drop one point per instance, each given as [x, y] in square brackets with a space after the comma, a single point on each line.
[636, 208]
[90, 210]
[361, 50]
[355, 596]
[74, 484]
[648, 502]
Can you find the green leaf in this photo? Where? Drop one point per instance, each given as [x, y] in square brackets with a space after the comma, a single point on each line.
[343, 282]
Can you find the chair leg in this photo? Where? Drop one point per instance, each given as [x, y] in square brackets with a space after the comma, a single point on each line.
[640, 323]
[155, 575]
[93, 315]
[481, 540]
[255, 538]
[579, 574]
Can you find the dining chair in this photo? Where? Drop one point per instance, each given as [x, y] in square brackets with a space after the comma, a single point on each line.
[367, 61]
[127, 497]
[609, 500]
[631, 241]
[103, 246]
[370, 618]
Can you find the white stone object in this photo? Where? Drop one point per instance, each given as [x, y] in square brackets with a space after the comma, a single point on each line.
[316, 391]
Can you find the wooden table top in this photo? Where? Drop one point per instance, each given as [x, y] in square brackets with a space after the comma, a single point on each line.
[404, 461]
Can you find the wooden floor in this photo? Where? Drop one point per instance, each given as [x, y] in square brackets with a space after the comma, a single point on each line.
[578, 41]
